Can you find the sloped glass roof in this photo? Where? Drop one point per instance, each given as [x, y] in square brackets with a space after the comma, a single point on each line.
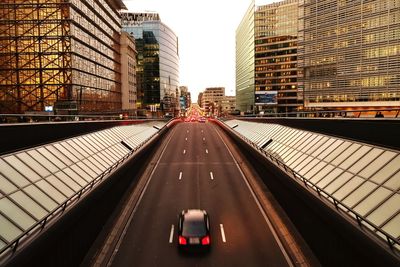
[363, 178]
[36, 183]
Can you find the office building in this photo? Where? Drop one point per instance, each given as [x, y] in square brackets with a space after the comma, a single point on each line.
[200, 99]
[228, 105]
[245, 61]
[184, 99]
[60, 55]
[212, 100]
[157, 61]
[350, 53]
[276, 73]
[128, 74]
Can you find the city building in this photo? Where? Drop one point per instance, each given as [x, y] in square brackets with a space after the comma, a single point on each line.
[276, 73]
[350, 53]
[212, 100]
[245, 52]
[200, 100]
[128, 74]
[228, 105]
[184, 99]
[157, 61]
[60, 55]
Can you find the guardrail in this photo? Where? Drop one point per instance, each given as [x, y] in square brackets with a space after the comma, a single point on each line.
[361, 221]
[12, 247]
[353, 113]
[34, 117]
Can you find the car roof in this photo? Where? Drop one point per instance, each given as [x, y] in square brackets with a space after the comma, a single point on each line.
[194, 214]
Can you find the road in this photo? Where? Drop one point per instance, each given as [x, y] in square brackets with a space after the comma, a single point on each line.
[196, 170]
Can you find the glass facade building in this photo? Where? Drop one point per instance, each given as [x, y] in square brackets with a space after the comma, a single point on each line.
[245, 61]
[276, 73]
[350, 53]
[57, 53]
[158, 61]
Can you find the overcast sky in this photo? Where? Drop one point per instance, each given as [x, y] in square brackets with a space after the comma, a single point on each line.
[206, 32]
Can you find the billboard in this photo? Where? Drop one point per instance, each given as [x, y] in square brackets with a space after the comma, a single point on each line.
[266, 98]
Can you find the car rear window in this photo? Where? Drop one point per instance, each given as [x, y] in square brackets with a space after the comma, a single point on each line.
[194, 228]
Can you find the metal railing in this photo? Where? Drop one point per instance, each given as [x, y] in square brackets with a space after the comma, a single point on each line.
[339, 206]
[354, 113]
[33, 118]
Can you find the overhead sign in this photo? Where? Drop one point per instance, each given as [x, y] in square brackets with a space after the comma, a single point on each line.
[266, 98]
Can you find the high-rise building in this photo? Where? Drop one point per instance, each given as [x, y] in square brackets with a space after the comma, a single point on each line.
[128, 74]
[184, 99]
[200, 99]
[350, 52]
[212, 100]
[158, 61]
[276, 84]
[228, 105]
[61, 54]
[245, 61]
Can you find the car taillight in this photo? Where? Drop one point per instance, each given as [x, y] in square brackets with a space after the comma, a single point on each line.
[182, 240]
[205, 240]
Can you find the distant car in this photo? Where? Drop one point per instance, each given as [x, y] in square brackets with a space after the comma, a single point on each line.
[194, 229]
[202, 119]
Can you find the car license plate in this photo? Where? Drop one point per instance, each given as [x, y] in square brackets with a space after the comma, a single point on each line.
[194, 240]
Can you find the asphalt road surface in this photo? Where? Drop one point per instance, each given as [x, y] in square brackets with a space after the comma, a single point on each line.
[196, 170]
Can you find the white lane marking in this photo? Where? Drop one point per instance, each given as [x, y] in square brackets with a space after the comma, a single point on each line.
[212, 176]
[171, 235]
[204, 139]
[184, 151]
[187, 131]
[222, 233]
[121, 237]
[206, 150]
[186, 138]
[278, 241]
[201, 130]
[180, 176]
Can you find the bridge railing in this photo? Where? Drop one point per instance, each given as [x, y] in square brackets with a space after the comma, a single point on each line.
[49, 117]
[351, 113]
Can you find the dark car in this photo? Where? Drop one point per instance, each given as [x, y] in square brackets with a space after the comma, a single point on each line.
[194, 228]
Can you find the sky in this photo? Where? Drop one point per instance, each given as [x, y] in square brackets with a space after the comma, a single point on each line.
[206, 32]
